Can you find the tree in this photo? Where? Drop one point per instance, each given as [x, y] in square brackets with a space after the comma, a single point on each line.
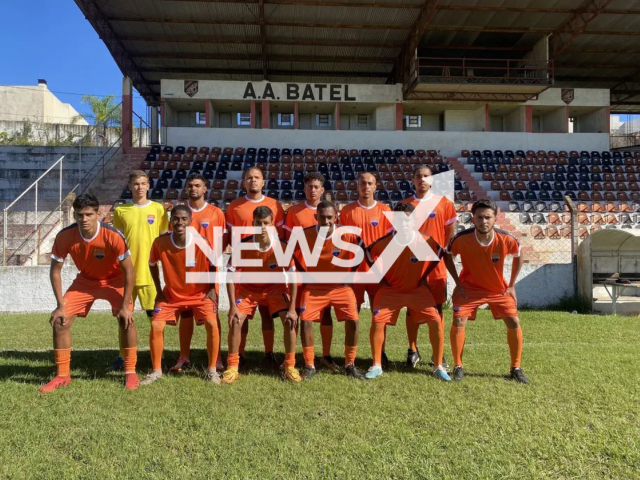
[105, 112]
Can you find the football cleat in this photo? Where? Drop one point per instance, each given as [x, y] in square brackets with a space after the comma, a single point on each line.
[291, 374]
[150, 378]
[517, 374]
[458, 373]
[308, 372]
[131, 381]
[229, 376]
[440, 374]
[374, 372]
[117, 365]
[352, 371]
[181, 365]
[328, 363]
[413, 357]
[269, 361]
[57, 382]
[213, 376]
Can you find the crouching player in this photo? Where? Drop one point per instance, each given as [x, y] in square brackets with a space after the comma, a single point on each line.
[482, 250]
[180, 295]
[246, 296]
[405, 285]
[101, 254]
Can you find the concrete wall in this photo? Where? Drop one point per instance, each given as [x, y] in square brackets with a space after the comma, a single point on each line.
[47, 133]
[384, 117]
[37, 104]
[465, 120]
[597, 121]
[449, 143]
[583, 97]
[555, 121]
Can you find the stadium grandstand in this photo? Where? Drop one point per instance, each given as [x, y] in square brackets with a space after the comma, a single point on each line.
[514, 97]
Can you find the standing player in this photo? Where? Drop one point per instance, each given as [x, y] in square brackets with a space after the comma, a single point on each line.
[303, 214]
[317, 297]
[204, 218]
[245, 297]
[441, 226]
[101, 254]
[141, 222]
[239, 213]
[368, 214]
[179, 294]
[405, 285]
[482, 250]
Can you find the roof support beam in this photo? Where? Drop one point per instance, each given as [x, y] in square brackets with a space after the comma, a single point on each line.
[257, 41]
[272, 58]
[236, 71]
[263, 41]
[575, 25]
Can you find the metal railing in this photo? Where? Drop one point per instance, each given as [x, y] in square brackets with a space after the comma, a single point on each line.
[143, 132]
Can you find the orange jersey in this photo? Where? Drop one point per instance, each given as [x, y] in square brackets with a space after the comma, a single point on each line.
[371, 220]
[97, 258]
[299, 215]
[174, 269]
[206, 219]
[268, 263]
[443, 215]
[239, 213]
[482, 265]
[406, 271]
[328, 253]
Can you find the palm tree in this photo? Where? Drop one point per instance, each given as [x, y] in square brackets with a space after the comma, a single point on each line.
[105, 112]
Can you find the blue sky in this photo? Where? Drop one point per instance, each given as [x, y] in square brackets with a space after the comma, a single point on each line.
[51, 39]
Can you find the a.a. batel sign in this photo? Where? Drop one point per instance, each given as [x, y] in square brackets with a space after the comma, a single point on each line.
[299, 91]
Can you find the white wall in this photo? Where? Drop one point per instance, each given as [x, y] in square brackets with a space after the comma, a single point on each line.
[465, 120]
[36, 104]
[583, 97]
[515, 121]
[449, 143]
[597, 121]
[385, 117]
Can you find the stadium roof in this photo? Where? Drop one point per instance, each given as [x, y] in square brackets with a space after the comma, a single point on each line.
[593, 43]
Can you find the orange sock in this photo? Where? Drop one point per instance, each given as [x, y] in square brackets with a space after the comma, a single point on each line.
[349, 355]
[412, 334]
[456, 336]
[130, 356]
[436, 337]
[233, 360]
[514, 338]
[63, 361]
[156, 344]
[308, 353]
[186, 334]
[290, 359]
[213, 343]
[376, 336]
[326, 333]
[267, 336]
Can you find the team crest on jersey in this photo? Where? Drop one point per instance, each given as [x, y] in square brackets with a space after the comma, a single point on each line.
[414, 259]
[205, 223]
[273, 266]
[432, 215]
[336, 252]
[99, 253]
[375, 222]
[151, 219]
[495, 258]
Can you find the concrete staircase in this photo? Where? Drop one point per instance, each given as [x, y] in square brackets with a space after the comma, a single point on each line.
[472, 184]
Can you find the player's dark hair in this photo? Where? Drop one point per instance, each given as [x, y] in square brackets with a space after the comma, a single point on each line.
[484, 203]
[311, 176]
[181, 208]
[422, 167]
[404, 207]
[261, 213]
[326, 204]
[85, 200]
[247, 170]
[362, 174]
[196, 176]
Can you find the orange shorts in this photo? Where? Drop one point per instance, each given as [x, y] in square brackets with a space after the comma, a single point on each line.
[438, 287]
[276, 299]
[360, 288]
[189, 314]
[317, 297]
[79, 299]
[203, 310]
[419, 302]
[501, 305]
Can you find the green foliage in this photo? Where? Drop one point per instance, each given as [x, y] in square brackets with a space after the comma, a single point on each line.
[578, 418]
[104, 113]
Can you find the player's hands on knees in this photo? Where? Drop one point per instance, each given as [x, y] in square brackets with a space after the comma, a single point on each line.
[212, 295]
[511, 291]
[126, 317]
[459, 290]
[292, 318]
[234, 318]
[58, 317]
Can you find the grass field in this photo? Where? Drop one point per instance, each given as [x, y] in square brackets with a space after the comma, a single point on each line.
[578, 418]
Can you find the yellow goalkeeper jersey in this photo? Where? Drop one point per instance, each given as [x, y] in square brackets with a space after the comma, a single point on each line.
[141, 225]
